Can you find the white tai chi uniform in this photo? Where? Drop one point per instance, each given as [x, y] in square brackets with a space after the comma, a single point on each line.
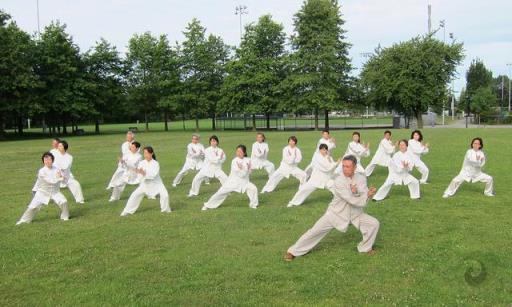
[471, 172]
[125, 150]
[418, 149]
[64, 163]
[382, 156]
[193, 161]
[345, 208]
[53, 151]
[48, 188]
[330, 147]
[212, 168]
[400, 175]
[321, 178]
[259, 158]
[357, 150]
[128, 175]
[150, 185]
[289, 166]
[238, 181]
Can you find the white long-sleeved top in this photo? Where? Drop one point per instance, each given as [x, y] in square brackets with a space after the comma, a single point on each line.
[48, 183]
[214, 157]
[357, 150]
[398, 173]
[323, 168]
[290, 161]
[384, 153]
[238, 178]
[151, 183]
[416, 148]
[54, 152]
[131, 163]
[472, 166]
[64, 163]
[195, 156]
[125, 148]
[346, 204]
[330, 144]
[259, 154]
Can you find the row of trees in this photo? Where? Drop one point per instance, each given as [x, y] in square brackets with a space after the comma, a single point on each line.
[47, 78]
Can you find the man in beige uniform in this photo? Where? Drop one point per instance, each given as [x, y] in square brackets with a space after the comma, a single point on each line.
[350, 196]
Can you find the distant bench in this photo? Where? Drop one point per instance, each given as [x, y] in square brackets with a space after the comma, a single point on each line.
[133, 129]
[79, 132]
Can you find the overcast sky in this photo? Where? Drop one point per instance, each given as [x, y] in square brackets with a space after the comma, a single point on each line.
[483, 26]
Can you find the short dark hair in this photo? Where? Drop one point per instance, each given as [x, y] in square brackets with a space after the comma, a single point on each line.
[323, 146]
[243, 148]
[137, 144]
[64, 144]
[419, 133]
[387, 132]
[213, 137]
[326, 131]
[405, 141]
[56, 139]
[350, 158]
[47, 154]
[477, 139]
[293, 138]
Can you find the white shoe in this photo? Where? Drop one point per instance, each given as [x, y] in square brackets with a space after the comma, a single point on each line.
[111, 200]
[204, 208]
[65, 219]
[125, 214]
[290, 205]
[174, 185]
[446, 196]
[20, 222]
[80, 202]
[207, 183]
[423, 182]
[253, 207]
[490, 195]
[191, 195]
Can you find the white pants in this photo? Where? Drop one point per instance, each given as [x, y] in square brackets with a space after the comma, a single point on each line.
[35, 206]
[457, 181]
[183, 172]
[200, 177]
[366, 224]
[74, 187]
[304, 191]
[309, 170]
[117, 191]
[218, 198]
[268, 167]
[423, 169]
[370, 168]
[136, 198]
[414, 189]
[277, 176]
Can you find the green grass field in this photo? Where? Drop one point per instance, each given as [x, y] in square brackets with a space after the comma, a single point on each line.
[233, 255]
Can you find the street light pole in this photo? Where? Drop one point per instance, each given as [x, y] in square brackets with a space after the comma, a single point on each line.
[509, 90]
[241, 10]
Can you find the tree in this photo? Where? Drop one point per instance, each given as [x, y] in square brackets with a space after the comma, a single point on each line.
[483, 99]
[253, 84]
[477, 76]
[319, 64]
[411, 76]
[500, 86]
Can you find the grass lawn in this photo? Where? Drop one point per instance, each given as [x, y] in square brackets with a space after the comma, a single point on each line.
[233, 255]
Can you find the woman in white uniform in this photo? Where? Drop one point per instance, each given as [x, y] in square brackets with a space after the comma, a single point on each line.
[327, 140]
[399, 173]
[417, 149]
[471, 170]
[259, 155]
[323, 168]
[289, 166]
[150, 185]
[125, 150]
[193, 161]
[54, 151]
[358, 150]
[214, 157]
[129, 175]
[64, 161]
[383, 154]
[49, 179]
[238, 181]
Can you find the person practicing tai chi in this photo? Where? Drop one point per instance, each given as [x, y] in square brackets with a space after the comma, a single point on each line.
[125, 150]
[259, 155]
[64, 161]
[331, 145]
[130, 163]
[214, 157]
[471, 170]
[49, 179]
[351, 195]
[54, 151]
[150, 185]
[382, 155]
[399, 168]
[358, 150]
[193, 161]
[417, 148]
[238, 181]
[289, 166]
[321, 178]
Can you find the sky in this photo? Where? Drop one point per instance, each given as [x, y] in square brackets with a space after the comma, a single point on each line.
[483, 26]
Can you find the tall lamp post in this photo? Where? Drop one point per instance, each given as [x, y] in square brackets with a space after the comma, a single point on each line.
[509, 90]
[241, 10]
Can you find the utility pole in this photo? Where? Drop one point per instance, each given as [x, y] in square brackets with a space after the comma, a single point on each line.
[429, 19]
[509, 89]
[241, 10]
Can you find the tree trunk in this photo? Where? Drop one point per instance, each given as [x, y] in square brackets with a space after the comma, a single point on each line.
[2, 126]
[64, 125]
[146, 121]
[19, 120]
[214, 124]
[326, 124]
[419, 120]
[316, 119]
[268, 121]
[254, 122]
[197, 123]
[166, 119]
[97, 126]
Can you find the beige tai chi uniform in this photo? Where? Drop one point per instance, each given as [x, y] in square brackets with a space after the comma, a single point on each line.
[382, 156]
[471, 172]
[193, 161]
[417, 150]
[64, 163]
[289, 166]
[321, 178]
[345, 208]
[238, 181]
[150, 185]
[48, 188]
[357, 150]
[214, 157]
[330, 147]
[259, 158]
[400, 175]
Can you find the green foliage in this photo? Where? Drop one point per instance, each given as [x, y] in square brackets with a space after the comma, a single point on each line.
[482, 100]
